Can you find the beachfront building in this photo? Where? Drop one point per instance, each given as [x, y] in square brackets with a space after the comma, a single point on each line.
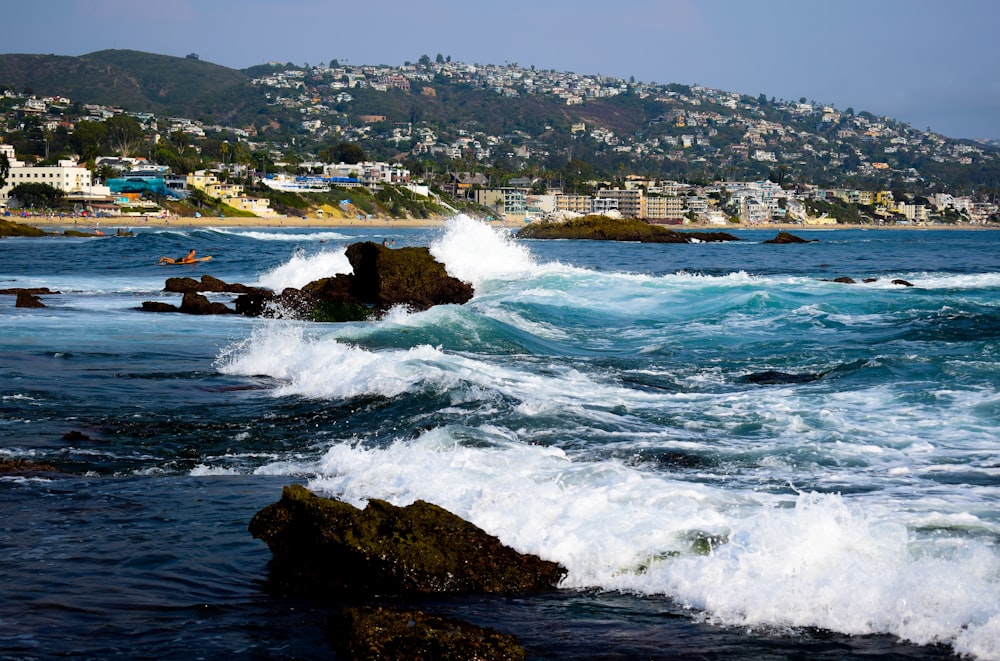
[574, 203]
[66, 176]
[631, 203]
[664, 208]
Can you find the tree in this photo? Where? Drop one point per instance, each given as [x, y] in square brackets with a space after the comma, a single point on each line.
[37, 196]
[424, 60]
[343, 152]
[4, 169]
[124, 135]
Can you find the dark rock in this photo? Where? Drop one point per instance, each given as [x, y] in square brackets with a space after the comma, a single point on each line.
[382, 278]
[773, 377]
[869, 280]
[75, 436]
[193, 303]
[901, 282]
[391, 634]
[322, 545]
[26, 300]
[788, 237]
[207, 283]
[157, 306]
[24, 467]
[36, 291]
[385, 277]
[845, 280]
[602, 228]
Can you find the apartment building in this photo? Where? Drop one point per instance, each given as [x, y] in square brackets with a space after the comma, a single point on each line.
[631, 203]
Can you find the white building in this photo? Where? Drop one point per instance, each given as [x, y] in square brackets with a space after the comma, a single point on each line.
[67, 176]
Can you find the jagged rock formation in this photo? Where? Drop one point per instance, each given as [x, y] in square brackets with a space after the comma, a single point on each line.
[328, 546]
[382, 278]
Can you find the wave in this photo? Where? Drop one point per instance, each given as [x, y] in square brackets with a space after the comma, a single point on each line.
[301, 269]
[292, 234]
[740, 557]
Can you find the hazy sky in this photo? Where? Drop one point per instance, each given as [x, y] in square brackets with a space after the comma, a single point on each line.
[931, 63]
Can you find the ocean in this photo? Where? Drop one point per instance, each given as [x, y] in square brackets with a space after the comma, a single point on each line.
[733, 455]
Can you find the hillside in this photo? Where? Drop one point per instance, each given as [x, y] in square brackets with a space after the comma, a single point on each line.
[139, 82]
[562, 127]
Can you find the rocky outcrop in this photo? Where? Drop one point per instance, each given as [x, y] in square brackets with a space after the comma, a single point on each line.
[322, 545]
[788, 237]
[26, 300]
[27, 297]
[390, 634]
[382, 278]
[207, 283]
[602, 228]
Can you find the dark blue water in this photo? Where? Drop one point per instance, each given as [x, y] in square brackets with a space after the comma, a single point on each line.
[588, 405]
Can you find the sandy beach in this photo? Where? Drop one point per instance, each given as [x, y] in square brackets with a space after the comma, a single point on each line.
[113, 224]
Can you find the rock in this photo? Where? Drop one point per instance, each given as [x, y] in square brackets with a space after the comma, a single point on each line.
[385, 277]
[193, 303]
[788, 237]
[392, 634]
[382, 277]
[322, 545]
[901, 282]
[157, 306]
[774, 377]
[26, 300]
[207, 283]
[602, 228]
[36, 291]
[24, 467]
[75, 436]
[845, 280]
[10, 228]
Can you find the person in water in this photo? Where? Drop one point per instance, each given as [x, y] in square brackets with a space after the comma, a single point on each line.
[187, 259]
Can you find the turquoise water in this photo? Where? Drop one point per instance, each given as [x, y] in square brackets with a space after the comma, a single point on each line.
[598, 404]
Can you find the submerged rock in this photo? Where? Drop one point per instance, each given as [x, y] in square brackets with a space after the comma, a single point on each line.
[322, 545]
[24, 467]
[774, 377]
[390, 634]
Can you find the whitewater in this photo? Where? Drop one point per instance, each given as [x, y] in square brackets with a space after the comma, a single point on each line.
[594, 404]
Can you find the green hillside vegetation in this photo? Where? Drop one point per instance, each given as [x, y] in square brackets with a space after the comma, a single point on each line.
[140, 82]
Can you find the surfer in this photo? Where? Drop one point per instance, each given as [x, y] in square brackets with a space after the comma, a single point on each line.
[187, 259]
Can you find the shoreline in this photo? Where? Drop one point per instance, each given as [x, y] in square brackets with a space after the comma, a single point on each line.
[135, 222]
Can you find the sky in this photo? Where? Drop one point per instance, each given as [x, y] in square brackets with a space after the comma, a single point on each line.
[930, 63]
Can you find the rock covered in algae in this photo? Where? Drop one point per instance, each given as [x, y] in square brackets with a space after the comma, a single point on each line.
[603, 228]
[389, 634]
[322, 545]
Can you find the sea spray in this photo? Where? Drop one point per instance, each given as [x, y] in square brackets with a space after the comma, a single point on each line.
[301, 269]
[474, 252]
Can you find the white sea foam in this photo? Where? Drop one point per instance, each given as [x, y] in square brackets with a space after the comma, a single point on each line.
[301, 269]
[827, 561]
[474, 252]
[283, 235]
